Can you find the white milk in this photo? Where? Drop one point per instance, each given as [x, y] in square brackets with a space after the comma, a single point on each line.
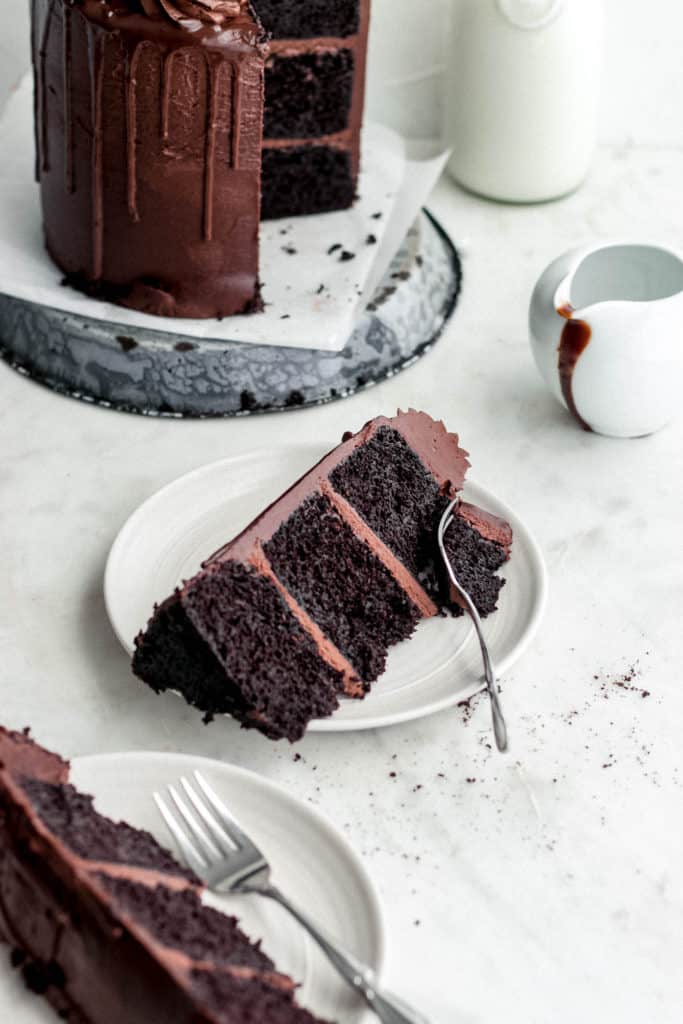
[522, 98]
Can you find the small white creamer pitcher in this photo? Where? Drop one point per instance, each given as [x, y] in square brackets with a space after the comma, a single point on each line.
[606, 325]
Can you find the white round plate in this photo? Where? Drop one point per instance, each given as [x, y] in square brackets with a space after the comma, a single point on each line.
[311, 862]
[168, 537]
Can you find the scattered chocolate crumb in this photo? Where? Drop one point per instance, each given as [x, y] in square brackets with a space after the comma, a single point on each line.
[470, 780]
[297, 757]
[377, 216]
[294, 398]
[334, 248]
[371, 240]
[418, 787]
[126, 343]
[290, 250]
[440, 775]
[283, 231]
[346, 436]
[392, 775]
[419, 260]
[184, 346]
[417, 922]
[346, 256]
[285, 316]
[320, 290]
[624, 682]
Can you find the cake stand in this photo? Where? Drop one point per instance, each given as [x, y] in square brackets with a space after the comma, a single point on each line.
[155, 373]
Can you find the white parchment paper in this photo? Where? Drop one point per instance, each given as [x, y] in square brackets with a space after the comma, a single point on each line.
[313, 296]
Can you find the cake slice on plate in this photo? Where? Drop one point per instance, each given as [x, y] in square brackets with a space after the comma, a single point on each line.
[104, 922]
[303, 606]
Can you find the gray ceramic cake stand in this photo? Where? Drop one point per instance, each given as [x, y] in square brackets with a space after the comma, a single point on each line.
[160, 374]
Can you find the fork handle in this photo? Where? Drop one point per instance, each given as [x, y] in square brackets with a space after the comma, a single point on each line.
[388, 1008]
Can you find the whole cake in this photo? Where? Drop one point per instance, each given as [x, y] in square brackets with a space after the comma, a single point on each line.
[154, 120]
[106, 925]
[303, 606]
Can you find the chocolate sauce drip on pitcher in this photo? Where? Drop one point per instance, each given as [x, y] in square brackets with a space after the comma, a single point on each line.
[576, 337]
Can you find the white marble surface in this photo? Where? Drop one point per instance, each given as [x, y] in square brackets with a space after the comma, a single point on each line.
[543, 886]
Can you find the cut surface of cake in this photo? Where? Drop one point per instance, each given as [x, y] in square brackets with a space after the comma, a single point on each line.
[302, 607]
[314, 94]
[149, 123]
[104, 923]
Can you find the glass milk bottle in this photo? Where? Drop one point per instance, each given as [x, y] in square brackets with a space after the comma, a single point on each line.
[522, 95]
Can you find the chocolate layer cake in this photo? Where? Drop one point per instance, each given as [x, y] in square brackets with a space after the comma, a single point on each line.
[106, 925]
[149, 120]
[303, 606]
[315, 86]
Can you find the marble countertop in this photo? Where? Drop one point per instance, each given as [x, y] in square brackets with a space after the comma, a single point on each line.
[541, 886]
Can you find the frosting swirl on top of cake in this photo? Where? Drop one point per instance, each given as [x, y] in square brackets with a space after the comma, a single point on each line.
[216, 12]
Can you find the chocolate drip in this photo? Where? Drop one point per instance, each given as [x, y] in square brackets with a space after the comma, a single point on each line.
[41, 86]
[575, 339]
[131, 133]
[236, 115]
[96, 57]
[166, 85]
[68, 103]
[213, 78]
[36, 90]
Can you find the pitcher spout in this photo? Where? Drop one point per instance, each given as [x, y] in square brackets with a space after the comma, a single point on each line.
[619, 272]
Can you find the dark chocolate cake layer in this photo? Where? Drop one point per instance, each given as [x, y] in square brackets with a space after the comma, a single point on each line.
[330, 183]
[307, 601]
[105, 939]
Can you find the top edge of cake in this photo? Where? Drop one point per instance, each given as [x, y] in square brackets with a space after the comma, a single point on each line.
[437, 448]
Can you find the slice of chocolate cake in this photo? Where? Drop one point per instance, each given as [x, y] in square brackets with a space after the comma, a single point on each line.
[303, 606]
[106, 925]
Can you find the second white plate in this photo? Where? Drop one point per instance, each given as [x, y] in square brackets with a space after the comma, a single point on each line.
[167, 538]
[312, 862]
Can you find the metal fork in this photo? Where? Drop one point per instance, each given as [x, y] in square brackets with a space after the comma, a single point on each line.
[467, 604]
[214, 845]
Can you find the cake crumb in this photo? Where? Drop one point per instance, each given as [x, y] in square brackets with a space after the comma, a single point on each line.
[334, 248]
[377, 216]
[371, 240]
[290, 250]
[346, 256]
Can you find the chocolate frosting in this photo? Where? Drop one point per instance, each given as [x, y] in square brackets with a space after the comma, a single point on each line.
[19, 755]
[148, 140]
[216, 12]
